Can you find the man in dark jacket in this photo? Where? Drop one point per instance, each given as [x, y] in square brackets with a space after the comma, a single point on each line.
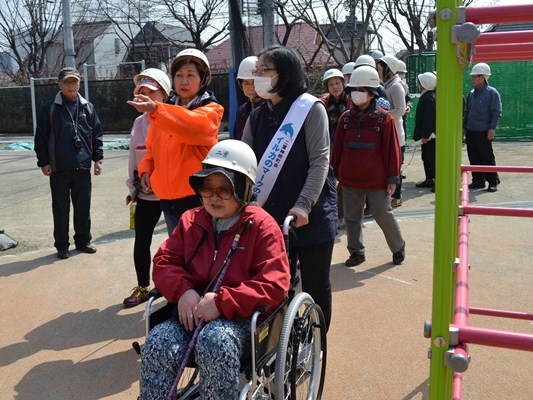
[426, 121]
[67, 140]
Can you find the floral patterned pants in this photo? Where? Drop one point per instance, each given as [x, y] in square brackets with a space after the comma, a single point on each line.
[220, 347]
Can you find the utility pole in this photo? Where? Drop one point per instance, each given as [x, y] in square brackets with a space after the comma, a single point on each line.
[68, 37]
[269, 34]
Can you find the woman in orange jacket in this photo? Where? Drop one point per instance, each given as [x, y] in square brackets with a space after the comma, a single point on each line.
[183, 129]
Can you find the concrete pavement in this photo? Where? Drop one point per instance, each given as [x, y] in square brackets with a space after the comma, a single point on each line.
[65, 334]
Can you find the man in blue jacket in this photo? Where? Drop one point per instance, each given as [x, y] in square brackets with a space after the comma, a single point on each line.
[68, 139]
[481, 117]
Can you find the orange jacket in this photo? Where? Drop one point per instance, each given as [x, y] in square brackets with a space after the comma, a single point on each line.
[178, 141]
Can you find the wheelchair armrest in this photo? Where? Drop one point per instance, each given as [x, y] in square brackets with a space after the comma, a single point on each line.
[154, 293]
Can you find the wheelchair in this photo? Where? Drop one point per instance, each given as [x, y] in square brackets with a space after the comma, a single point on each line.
[288, 349]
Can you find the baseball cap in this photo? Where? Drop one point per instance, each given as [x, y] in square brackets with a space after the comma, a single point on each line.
[146, 82]
[68, 72]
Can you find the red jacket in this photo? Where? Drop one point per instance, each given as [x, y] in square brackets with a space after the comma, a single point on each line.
[258, 274]
[368, 157]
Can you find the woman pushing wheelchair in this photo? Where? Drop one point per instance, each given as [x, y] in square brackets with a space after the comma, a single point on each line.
[193, 270]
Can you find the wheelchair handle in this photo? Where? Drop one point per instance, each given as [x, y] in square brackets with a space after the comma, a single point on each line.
[288, 223]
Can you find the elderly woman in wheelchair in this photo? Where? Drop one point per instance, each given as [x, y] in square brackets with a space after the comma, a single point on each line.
[193, 262]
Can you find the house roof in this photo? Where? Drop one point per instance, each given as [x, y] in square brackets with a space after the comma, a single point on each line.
[303, 39]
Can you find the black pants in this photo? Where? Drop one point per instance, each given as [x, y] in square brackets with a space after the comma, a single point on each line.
[75, 185]
[147, 214]
[479, 149]
[429, 158]
[315, 263]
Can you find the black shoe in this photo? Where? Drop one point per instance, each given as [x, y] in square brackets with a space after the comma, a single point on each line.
[355, 259]
[492, 188]
[433, 189]
[399, 256]
[87, 248]
[426, 184]
[477, 185]
[63, 254]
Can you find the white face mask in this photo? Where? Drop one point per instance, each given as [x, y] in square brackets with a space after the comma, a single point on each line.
[359, 98]
[263, 86]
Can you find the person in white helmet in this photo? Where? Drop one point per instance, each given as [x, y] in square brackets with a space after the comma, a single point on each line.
[366, 160]
[336, 102]
[388, 67]
[155, 84]
[480, 120]
[245, 78]
[425, 126]
[347, 70]
[182, 130]
[185, 265]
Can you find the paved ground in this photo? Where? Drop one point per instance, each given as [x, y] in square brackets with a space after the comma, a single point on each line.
[64, 333]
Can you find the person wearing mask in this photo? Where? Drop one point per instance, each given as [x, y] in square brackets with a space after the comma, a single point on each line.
[183, 129]
[187, 264]
[289, 134]
[336, 103]
[425, 126]
[245, 79]
[481, 117]
[366, 160]
[155, 84]
[387, 67]
[68, 140]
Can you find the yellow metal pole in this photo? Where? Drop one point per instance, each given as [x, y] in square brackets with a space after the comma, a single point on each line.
[449, 135]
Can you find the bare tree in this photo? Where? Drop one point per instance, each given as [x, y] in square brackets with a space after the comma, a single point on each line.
[27, 29]
[344, 27]
[206, 20]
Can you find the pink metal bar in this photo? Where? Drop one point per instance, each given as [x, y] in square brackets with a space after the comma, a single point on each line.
[501, 57]
[496, 168]
[495, 338]
[504, 48]
[460, 311]
[500, 14]
[501, 313]
[498, 211]
[457, 388]
[504, 37]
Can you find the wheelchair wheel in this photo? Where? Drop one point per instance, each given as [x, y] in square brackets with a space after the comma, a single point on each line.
[301, 354]
[187, 388]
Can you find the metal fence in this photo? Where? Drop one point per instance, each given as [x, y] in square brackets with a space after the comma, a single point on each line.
[510, 78]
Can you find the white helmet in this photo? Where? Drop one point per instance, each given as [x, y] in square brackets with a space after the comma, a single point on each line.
[392, 63]
[348, 68]
[376, 54]
[332, 73]
[229, 156]
[428, 80]
[365, 59]
[152, 74]
[481, 69]
[234, 155]
[402, 67]
[246, 68]
[192, 54]
[364, 76]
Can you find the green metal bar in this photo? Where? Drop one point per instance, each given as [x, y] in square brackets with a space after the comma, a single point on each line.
[449, 134]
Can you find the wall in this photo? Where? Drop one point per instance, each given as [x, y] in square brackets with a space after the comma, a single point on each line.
[108, 97]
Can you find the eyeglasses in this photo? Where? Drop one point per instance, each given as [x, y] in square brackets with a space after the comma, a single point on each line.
[262, 70]
[225, 193]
